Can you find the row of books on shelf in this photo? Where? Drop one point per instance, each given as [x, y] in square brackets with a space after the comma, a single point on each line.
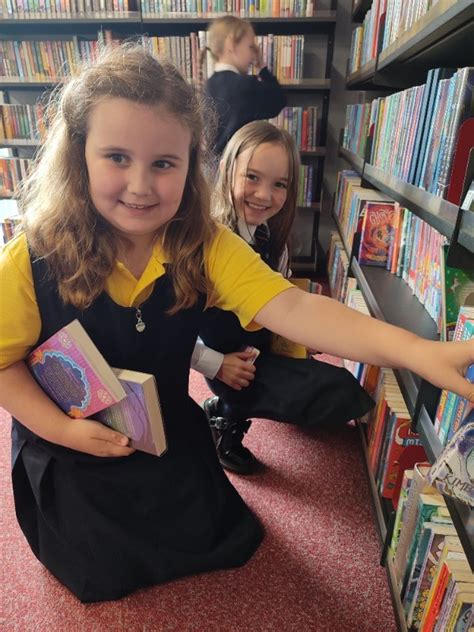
[305, 186]
[431, 570]
[12, 172]
[392, 444]
[241, 8]
[392, 237]
[453, 411]
[415, 132]
[26, 122]
[22, 122]
[384, 23]
[302, 124]
[52, 60]
[50, 9]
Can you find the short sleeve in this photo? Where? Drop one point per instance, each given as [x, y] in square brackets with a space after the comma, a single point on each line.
[242, 282]
[20, 322]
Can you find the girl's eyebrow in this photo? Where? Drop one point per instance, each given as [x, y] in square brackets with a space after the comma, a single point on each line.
[260, 173]
[121, 150]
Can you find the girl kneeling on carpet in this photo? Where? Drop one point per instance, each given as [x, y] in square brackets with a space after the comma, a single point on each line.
[116, 224]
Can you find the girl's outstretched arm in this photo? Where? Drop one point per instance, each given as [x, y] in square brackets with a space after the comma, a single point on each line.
[322, 323]
[25, 400]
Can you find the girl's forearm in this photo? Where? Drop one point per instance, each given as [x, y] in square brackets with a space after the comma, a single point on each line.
[322, 323]
[21, 396]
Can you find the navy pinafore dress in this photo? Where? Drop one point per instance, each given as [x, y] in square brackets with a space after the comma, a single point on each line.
[107, 526]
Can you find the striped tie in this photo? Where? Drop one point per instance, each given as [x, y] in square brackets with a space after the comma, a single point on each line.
[261, 238]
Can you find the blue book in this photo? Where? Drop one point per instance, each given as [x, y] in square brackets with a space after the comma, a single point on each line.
[431, 98]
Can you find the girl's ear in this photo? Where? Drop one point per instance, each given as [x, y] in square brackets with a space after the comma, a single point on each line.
[221, 166]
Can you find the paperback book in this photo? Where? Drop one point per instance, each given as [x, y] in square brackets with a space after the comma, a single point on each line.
[71, 370]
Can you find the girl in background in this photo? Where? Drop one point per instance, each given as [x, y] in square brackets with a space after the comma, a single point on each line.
[117, 233]
[238, 97]
[255, 196]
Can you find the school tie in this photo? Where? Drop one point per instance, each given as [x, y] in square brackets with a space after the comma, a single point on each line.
[261, 238]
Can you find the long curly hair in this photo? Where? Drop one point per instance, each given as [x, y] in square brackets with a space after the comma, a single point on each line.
[60, 221]
[251, 136]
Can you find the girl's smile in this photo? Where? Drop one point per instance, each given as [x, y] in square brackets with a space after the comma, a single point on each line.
[261, 182]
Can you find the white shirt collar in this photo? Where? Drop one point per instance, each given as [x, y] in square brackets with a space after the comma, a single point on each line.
[246, 231]
[218, 67]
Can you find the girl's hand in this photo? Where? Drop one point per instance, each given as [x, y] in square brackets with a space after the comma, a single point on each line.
[237, 369]
[444, 364]
[92, 437]
[258, 58]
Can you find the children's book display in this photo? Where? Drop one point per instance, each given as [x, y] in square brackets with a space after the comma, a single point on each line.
[72, 371]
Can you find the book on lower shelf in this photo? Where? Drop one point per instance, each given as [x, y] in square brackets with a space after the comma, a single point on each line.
[75, 375]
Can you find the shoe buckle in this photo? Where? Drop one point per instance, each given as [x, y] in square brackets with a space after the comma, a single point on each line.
[219, 423]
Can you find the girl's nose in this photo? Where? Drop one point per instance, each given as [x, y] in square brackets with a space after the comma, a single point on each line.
[140, 181]
[263, 192]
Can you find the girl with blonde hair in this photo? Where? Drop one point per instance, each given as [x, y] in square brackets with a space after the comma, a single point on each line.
[117, 234]
[238, 97]
[255, 196]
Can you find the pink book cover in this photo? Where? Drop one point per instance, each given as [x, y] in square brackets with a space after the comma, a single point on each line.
[72, 371]
[377, 233]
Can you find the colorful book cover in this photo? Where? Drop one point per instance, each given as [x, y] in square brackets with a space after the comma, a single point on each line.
[457, 289]
[433, 538]
[138, 416]
[71, 370]
[377, 233]
[453, 471]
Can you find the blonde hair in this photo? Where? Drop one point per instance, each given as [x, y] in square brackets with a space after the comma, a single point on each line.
[217, 33]
[59, 218]
[251, 136]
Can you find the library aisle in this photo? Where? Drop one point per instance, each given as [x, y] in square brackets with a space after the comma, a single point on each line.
[316, 571]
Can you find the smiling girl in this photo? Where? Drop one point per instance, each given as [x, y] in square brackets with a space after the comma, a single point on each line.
[255, 196]
[117, 233]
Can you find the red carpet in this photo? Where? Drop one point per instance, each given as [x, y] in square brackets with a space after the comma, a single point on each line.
[317, 569]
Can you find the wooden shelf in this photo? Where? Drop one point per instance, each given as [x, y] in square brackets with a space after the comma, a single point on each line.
[462, 516]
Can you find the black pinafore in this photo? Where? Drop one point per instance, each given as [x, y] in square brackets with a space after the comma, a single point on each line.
[304, 392]
[107, 526]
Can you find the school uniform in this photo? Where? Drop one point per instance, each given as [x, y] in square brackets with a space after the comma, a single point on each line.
[240, 99]
[305, 392]
[107, 526]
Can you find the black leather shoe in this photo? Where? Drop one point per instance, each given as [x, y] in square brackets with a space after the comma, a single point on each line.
[228, 436]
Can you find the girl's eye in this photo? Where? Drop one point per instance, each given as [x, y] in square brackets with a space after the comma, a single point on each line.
[252, 177]
[118, 159]
[281, 185]
[162, 164]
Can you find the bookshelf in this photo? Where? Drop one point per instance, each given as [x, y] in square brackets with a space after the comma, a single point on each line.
[313, 89]
[440, 38]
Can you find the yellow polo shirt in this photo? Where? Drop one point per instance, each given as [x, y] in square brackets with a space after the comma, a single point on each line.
[243, 284]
